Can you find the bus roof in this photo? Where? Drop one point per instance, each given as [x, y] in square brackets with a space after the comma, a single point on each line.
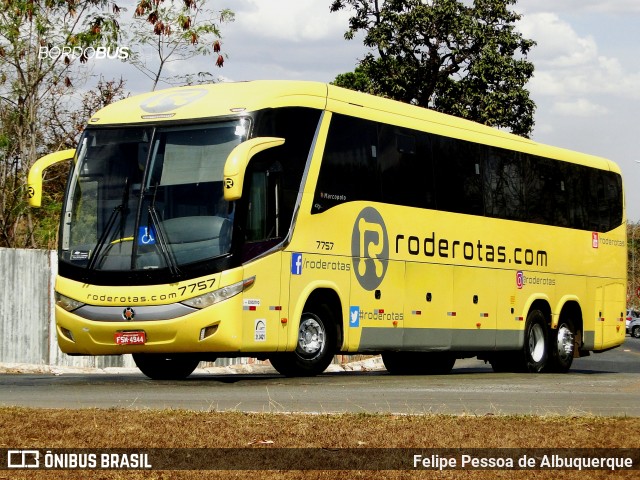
[222, 99]
[211, 100]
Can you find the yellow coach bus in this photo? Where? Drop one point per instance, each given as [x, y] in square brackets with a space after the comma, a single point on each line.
[293, 221]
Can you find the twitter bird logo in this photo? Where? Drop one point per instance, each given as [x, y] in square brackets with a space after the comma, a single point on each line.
[354, 317]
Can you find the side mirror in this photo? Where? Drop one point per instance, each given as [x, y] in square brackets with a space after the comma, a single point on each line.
[34, 179]
[238, 161]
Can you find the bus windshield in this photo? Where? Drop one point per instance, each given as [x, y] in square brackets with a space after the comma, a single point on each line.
[145, 198]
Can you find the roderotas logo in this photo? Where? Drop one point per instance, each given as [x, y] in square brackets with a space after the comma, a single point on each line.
[370, 248]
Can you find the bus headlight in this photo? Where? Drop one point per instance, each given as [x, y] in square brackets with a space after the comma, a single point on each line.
[217, 296]
[69, 304]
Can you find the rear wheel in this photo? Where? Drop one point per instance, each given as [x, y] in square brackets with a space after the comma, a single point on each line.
[562, 347]
[506, 362]
[535, 353]
[316, 346]
[635, 331]
[166, 367]
[418, 363]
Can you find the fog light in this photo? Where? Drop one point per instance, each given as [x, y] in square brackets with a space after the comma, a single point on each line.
[206, 332]
[67, 334]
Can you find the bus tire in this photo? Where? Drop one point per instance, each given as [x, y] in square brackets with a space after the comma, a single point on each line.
[418, 363]
[535, 351]
[315, 348]
[166, 367]
[396, 363]
[504, 362]
[562, 347]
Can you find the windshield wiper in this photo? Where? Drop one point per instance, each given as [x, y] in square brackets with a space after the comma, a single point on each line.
[166, 251]
[110, 223]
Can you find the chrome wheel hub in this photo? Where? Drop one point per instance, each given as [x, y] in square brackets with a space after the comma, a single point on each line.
[565, 343]
[311, 336]
[536, 343]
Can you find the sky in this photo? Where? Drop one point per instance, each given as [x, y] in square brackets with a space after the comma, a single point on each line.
[586, 84]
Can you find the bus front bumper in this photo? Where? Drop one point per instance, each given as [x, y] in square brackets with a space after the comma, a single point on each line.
[213, 329]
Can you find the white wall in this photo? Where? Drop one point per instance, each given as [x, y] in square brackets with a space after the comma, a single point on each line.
[27, 323]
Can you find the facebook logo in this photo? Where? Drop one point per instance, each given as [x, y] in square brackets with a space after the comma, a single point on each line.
[354, 316]
[296, 263]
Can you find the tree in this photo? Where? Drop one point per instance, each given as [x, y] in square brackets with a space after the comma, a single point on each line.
[178, 34]
[43, 45]
[36, 41]
[461, 59]
[63, 124]
[39, 42]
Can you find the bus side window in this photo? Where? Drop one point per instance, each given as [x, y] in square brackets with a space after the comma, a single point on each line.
[263, 198]
[458, 175]
[297, 126]
[349, 170]
[406, 167]
[503, 184]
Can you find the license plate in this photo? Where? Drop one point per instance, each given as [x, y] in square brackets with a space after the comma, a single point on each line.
[130, 338]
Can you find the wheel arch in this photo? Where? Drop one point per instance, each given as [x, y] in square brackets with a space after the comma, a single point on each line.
[542, 304]
[321, 294]
[571, 309]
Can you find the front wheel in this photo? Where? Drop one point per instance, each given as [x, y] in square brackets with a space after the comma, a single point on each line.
[166, 367]
[315, 348]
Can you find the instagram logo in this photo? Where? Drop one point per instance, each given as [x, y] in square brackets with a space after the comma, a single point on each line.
[519, 279]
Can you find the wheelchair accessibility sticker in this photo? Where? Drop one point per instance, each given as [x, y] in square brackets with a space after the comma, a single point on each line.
[146, 236]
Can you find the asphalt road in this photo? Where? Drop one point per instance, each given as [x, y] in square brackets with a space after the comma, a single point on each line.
[603, 384]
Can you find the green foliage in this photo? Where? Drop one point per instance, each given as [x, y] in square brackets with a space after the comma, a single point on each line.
[446, 55]
[43, 45]
[356, 80]
[36, 72]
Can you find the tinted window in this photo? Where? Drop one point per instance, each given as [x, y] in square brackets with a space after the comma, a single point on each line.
[349, 170]
[297, 126]
[458, 180]
[378, 162]
[503, 184]
[406, 166]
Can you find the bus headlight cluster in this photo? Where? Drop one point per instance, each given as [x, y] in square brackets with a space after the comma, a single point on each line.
[217, 296]
[69, 304]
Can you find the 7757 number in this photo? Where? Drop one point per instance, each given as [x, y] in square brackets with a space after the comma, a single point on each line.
[324, 245]
[201, 285]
